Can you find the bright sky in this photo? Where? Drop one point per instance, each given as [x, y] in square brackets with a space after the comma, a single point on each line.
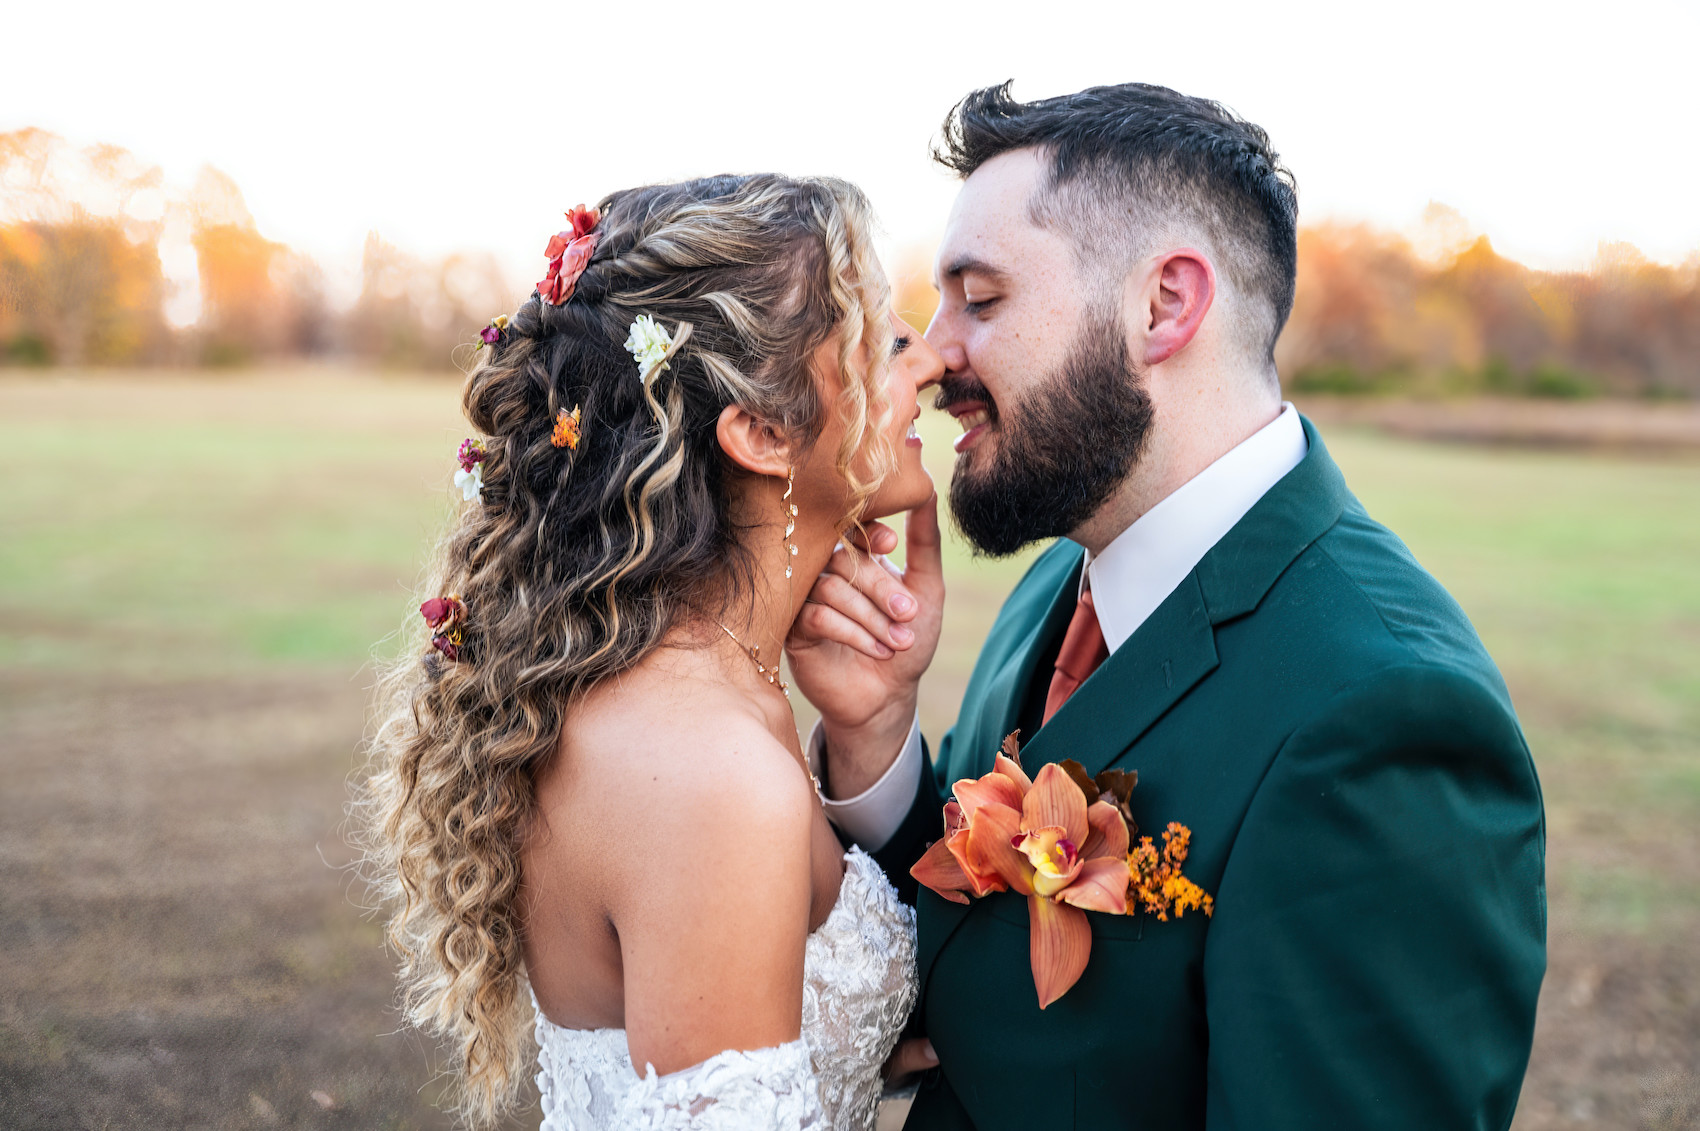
[1551, 126]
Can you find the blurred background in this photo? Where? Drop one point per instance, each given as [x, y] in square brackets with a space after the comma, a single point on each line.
[243, 255]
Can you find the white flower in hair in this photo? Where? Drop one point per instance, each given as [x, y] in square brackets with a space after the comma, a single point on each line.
[648, 343]
[470, 482]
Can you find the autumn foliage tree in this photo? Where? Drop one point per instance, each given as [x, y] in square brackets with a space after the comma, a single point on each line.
[258, 298]
[1373, 313]
[80, 277]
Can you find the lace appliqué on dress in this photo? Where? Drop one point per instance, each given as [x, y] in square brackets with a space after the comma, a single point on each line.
[858, 988]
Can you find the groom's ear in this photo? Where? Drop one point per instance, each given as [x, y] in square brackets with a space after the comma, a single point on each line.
[1175, 295]
[751, 443]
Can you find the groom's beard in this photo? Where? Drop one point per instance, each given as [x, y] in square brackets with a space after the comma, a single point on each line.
[1060, 451]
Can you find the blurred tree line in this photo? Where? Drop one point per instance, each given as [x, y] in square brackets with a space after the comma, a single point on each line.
[1378, 312]
[86, 236]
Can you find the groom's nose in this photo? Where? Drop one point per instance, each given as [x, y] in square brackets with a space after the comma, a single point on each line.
[955, 358]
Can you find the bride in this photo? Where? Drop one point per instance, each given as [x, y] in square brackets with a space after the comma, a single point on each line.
[588, 805]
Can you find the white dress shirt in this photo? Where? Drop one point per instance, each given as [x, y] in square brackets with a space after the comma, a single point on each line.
[1134, 574]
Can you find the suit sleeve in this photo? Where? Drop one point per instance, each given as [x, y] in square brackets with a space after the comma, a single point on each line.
[923, 825]
[1380, 929]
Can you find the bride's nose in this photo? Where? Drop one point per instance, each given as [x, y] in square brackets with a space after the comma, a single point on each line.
[931, 365]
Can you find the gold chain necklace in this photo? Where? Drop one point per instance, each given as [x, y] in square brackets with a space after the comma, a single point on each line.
[771, 674]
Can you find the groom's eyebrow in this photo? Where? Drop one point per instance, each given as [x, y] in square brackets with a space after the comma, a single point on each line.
[968, 264]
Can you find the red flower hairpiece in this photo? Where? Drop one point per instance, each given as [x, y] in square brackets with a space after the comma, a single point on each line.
[569, 254]
[443, 616]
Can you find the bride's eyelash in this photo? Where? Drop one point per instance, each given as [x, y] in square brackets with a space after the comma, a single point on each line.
[898, 345]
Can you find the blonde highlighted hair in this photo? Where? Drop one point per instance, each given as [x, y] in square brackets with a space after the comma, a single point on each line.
[579, 561]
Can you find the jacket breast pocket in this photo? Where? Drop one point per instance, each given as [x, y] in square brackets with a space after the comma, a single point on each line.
[1119, 928]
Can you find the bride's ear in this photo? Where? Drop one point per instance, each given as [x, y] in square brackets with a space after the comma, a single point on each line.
[751, 443]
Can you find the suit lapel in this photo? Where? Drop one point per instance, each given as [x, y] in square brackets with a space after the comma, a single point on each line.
[981, 729]
[1163, 660]
[1176, 646]
[999, 709]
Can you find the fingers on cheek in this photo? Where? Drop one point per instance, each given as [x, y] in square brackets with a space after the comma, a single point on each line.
[825, 623]
[856, 605]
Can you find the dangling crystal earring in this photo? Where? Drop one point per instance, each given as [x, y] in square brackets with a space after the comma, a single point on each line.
[790, 518]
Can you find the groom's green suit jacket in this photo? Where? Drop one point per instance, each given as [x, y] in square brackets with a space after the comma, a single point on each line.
[1320, 713]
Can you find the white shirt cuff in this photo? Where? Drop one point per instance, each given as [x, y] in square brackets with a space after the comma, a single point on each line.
[873, 816]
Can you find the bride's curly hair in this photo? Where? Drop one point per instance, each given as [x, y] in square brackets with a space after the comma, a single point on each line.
[579, 560]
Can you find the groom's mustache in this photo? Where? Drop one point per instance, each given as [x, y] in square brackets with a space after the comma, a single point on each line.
[964, 390]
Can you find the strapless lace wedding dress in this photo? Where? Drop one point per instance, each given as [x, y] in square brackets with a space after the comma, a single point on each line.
[858, 989]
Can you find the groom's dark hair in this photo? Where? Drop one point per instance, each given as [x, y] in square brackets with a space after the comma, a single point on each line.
[1148, 155]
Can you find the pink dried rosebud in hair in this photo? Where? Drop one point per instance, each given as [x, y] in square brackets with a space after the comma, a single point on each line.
[447, 646]
[443, 613]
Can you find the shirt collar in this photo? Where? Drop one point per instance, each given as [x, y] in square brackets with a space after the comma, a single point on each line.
[1146, 561]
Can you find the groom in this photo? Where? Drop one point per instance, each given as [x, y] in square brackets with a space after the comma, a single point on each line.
[1218, 613]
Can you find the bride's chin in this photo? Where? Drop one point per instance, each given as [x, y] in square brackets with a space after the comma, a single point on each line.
[912, 490]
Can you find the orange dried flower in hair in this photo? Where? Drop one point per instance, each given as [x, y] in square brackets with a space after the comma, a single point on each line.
[566, 433]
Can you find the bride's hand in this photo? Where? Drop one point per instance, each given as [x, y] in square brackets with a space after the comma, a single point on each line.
[862, 641]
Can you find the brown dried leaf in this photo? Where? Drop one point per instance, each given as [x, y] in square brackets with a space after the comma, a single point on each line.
[1118, 784]
[1012, 747]
[1081, 778]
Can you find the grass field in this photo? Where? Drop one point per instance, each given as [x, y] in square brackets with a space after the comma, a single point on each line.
[194, 572]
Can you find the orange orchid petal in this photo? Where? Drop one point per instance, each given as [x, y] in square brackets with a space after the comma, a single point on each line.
[1012, 770]
[1060, 942]
[993, 789]
[980, 881]
[1109, 832]
[938, 869]
[557, 244]
[1100, 886]
[1056, 800]
[990, 831]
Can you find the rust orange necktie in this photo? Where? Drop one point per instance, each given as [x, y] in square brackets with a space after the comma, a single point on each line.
[1083, 649]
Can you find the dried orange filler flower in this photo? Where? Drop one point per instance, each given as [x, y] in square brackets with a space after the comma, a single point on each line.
[1155, 881]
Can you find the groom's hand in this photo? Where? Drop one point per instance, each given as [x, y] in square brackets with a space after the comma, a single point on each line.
[864, 637]
[912, 1055]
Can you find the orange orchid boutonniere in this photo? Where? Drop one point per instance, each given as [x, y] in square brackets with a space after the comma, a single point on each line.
[1062, 839]
[1041, 838]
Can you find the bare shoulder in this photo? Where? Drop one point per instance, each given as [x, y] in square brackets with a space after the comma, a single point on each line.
[698, 760]
[711, 886]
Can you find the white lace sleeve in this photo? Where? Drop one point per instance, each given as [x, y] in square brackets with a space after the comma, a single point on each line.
[769, 1089]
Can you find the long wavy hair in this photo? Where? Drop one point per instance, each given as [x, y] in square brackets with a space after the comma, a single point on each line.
[576, 563]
